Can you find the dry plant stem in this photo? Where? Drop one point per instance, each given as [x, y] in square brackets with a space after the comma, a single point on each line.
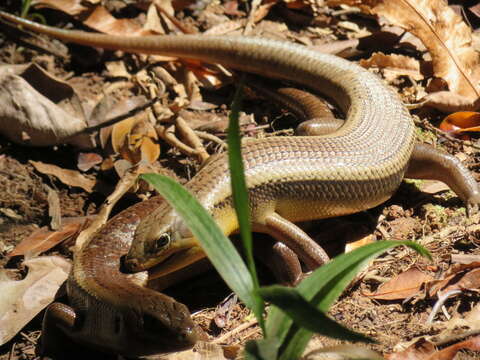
[235, 331]
[426, 125]
[251, 17]
[441, 300]
[456, 337]
[210, 137]
[190, 137]
[168, 134]
[122, 187]
[12, 351]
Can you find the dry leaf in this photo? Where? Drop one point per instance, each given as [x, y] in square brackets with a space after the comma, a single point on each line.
[43, 239]
[433, 186]
[22, 300]
[136, 139]
[402, 286]
[370, 238]
[71, 7]
[458, 277]
[38, 121]
[420, 350]
[442, 31]
[68, 177]
[394, 65]
[101, 20]
[460, 122]
[88, 160]
[448, 101]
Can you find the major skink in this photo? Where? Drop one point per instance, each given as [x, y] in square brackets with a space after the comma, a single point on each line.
[290, 179]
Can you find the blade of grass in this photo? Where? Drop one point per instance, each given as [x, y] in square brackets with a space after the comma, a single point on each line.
[321, 289]
[240, 196]
[305, 315]
[216, 245]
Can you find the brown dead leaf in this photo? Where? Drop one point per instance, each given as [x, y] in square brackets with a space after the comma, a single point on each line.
[101, 20]
[465, 258]
[50, 112]
[368, 239]
[71, 7]
[68, 177]
[136, 139]
[458, 277]
[43, 239]
[88, 160]
[449, 353]
[394, 65]
[433, 186]
[442, 31]
[402, 286]
[420, 350]
[22, 300]
[448, 101]
[460, 122]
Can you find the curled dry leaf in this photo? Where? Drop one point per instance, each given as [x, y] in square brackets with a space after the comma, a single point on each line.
[448, 101]
[22, 300]
[135, 139]
[420, 350]
[402, 286]
[458, 277]
[425, 350]
[88, 160]
[394, 65]
[68, 177]
[461, 122]
[442, 31]
[39, 110]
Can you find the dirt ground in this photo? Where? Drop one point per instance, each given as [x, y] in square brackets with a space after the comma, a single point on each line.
[420, 210]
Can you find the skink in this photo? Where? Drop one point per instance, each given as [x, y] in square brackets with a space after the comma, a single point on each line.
[290, 179]
[110, 312]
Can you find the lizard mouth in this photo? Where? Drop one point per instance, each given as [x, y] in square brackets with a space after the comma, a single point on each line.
[176, 262]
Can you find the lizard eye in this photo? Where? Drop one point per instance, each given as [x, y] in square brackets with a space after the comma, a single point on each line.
[162, 241]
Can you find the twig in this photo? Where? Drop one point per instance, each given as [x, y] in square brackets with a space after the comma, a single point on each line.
[239, 328]
[12, 351]
[191, 138]
[28, 338]
[207, 136]
[441, 133]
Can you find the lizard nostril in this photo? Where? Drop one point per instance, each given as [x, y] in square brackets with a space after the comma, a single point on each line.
[130, 265]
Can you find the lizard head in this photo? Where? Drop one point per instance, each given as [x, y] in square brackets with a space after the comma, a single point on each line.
[155, 324]
[157, 238]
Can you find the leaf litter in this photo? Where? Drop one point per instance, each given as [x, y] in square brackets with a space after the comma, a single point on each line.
[439, 57]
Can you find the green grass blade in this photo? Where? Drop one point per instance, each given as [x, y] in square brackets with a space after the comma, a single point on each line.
[240, 197]
[321, 289]
[216, 245]
[262, 349]
[305, 315]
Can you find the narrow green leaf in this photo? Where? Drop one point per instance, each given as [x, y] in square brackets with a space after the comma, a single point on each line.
[240, 197]
[216, 245]
[305, 315]
[321, 289]
[262, 349]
